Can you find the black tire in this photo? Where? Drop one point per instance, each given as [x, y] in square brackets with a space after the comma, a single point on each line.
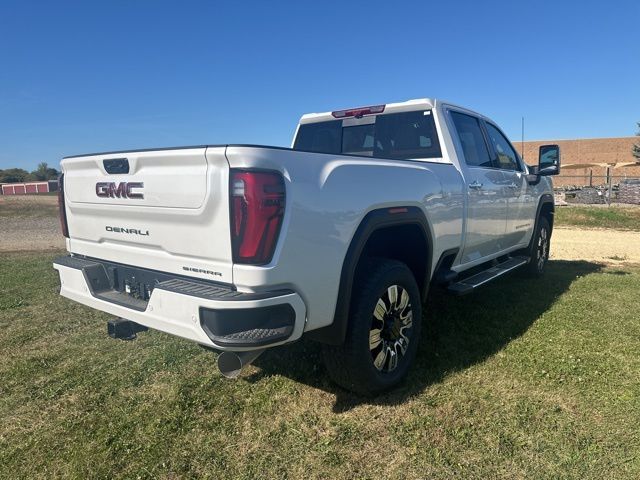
[539, 251]
[361, 364]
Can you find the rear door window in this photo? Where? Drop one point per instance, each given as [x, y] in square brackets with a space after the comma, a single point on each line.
[403, 135]
[474, 146]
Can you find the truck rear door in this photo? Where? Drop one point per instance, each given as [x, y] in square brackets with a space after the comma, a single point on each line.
[487, 204]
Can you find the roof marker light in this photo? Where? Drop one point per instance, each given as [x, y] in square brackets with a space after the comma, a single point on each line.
[358, 112]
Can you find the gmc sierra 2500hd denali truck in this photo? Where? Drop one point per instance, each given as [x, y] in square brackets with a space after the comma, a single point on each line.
[339, 238]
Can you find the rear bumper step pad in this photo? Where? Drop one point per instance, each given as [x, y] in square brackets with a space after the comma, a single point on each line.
[263, 323]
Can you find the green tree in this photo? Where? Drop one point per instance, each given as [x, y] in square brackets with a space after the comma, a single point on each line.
[52, 174]
[40, 173]
[13, 175]
[636, 147]
[43, 173]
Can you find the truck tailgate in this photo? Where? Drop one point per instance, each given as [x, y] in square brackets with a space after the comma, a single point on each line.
[163, 209]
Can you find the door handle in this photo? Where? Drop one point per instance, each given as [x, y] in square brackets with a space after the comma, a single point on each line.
[476, 185]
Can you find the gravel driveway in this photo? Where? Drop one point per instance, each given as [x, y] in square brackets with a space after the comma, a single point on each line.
[21, 234]
[605, 246]
[31, 223]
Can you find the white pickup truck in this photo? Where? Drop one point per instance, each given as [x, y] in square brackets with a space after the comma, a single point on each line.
[339, 238]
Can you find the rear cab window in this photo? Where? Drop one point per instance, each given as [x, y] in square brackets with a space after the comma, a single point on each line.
[404, 135]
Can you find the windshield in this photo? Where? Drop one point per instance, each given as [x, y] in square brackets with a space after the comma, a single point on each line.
[396, 135]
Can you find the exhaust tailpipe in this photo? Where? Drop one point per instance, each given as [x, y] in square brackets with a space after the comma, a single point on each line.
[231, 364]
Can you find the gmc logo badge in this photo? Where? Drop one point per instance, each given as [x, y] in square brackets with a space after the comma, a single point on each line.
[119, 190]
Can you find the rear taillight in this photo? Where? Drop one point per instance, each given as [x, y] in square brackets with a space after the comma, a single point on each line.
[257, 208]
[63, 213]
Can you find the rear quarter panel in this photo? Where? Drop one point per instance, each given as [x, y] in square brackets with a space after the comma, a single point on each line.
[327, 198]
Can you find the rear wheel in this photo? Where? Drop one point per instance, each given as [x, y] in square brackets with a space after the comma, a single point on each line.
[383, 331]
[539, 253]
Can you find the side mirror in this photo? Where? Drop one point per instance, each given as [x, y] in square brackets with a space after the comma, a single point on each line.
[549, 160]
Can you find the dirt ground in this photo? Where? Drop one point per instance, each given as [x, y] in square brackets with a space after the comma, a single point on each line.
[31, 223]
[605, 246]
[30, 234]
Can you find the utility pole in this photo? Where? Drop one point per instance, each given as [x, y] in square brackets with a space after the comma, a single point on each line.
[522, 140]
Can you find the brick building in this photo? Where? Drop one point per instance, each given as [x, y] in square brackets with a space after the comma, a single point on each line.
[28, 188]
[593, 153]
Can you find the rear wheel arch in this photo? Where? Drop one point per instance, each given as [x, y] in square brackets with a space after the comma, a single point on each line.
[399, 233]
[383, 331]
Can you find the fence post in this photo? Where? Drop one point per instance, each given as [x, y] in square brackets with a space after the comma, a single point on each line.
[610, 188]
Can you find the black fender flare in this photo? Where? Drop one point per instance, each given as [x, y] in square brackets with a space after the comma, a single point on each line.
[335, 333]
[545, 199]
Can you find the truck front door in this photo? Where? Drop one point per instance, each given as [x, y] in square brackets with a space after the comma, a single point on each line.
[521, 205]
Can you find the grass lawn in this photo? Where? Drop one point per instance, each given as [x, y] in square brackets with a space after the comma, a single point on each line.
[29, 206]
[618, 218]
[523, 379]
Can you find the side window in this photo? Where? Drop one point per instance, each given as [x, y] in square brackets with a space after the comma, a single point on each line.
[506, 155]
[474, 147]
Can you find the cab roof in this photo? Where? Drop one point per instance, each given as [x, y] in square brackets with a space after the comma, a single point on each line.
[408, 106]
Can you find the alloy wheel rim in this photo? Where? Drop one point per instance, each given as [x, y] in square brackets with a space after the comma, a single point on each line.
[543, 249]
[390, 328]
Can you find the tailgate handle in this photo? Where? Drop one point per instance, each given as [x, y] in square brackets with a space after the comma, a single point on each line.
[116, 165]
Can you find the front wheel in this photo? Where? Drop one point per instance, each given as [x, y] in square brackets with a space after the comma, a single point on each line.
[539, 253]
[383, 332]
